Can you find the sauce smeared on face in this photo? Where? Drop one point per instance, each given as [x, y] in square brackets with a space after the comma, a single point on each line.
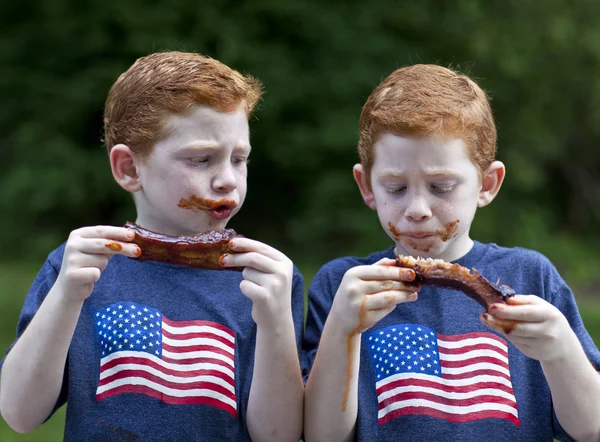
[196, 204]
[362, 316]
[444, 234]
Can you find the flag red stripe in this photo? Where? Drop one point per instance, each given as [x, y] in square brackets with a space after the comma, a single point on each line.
[198, 323]
[448, 416]
[150, 363]
[461, 350]
[471, 361]
[483, 399]
[142, 389]
[474, 335]
[172, 385]
[442, 387]
[202, 335]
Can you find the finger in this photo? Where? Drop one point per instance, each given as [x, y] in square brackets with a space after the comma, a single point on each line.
[503, 326]
[386, 285]
[85, 275]
[253, 291]
[386, 262]
[381, 272]
[256, 276]
[253, 260]
[523, 300]
[82, 260]
[521, 312]
[389, 299]
[109, 247]
[250, 245]
[108, 232]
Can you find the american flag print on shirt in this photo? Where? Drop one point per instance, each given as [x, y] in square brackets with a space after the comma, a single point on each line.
[458, 378]
[177, 362]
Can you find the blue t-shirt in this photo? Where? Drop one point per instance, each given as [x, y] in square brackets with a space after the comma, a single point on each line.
[161, 352]
[431, 371]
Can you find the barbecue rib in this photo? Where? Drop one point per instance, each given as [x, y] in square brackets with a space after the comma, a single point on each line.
[439, 273]
[200, 251]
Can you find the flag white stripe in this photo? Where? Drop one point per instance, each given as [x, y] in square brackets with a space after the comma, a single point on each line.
[452, 409]
[445, 394]
[475, 367]
[198, 341]
[448, 382]
[197, 329]
[200, 392]
[198, 354]
[473, 354]
[167, 377]
[471, 341]
[167, 365]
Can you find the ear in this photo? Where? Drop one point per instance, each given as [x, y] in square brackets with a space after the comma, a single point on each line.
[365, 189]
[490, 185]
[123, 166]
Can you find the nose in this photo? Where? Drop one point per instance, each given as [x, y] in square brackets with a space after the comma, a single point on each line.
[224, 180]
[418, 208]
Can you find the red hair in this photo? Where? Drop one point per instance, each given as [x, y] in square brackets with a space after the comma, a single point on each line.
[167, 83]
[429, 101]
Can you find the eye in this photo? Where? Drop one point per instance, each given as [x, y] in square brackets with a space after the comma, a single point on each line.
[396, 189]
[442, 188]
[240, 160]
[199, 160]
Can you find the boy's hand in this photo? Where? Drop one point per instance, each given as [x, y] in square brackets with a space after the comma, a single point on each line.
[369, 293]
[267, 280]
[86, 255]
[541, 331]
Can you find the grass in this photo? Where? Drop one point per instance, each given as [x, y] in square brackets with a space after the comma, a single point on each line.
[15, 279]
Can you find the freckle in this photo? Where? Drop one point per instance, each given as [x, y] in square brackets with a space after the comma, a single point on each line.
[114, 246]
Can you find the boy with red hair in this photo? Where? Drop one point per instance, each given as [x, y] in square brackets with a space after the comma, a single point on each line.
[158, 351]
[396, 364]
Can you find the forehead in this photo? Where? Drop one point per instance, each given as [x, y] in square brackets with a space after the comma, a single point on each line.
[206, 126]
[410, 153]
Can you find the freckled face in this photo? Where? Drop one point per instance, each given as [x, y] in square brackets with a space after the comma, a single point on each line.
[195, 179]
[425, 192]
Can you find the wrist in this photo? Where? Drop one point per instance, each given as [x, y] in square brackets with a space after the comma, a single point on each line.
[58, 294]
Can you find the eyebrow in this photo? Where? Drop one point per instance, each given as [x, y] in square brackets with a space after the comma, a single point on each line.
[434, 173]
[210, 145]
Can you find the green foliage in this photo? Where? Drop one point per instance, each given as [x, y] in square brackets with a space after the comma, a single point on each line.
[539, 61]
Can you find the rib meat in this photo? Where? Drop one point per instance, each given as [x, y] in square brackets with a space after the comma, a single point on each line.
[439, 273]
[200, 251]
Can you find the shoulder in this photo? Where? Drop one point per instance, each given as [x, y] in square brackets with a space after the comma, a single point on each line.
[526, 259]
[530, 270]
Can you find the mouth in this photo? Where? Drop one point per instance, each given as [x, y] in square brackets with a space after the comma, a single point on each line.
[222, 211]
[419, 235]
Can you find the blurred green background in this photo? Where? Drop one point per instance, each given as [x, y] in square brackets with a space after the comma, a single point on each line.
[539, 62]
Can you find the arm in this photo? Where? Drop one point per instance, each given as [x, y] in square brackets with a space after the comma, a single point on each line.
[32, 373]
[543, 333]
[366, 295]
[277, 391]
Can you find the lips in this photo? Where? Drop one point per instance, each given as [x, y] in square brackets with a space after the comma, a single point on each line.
[221, 212]
[419, 235]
